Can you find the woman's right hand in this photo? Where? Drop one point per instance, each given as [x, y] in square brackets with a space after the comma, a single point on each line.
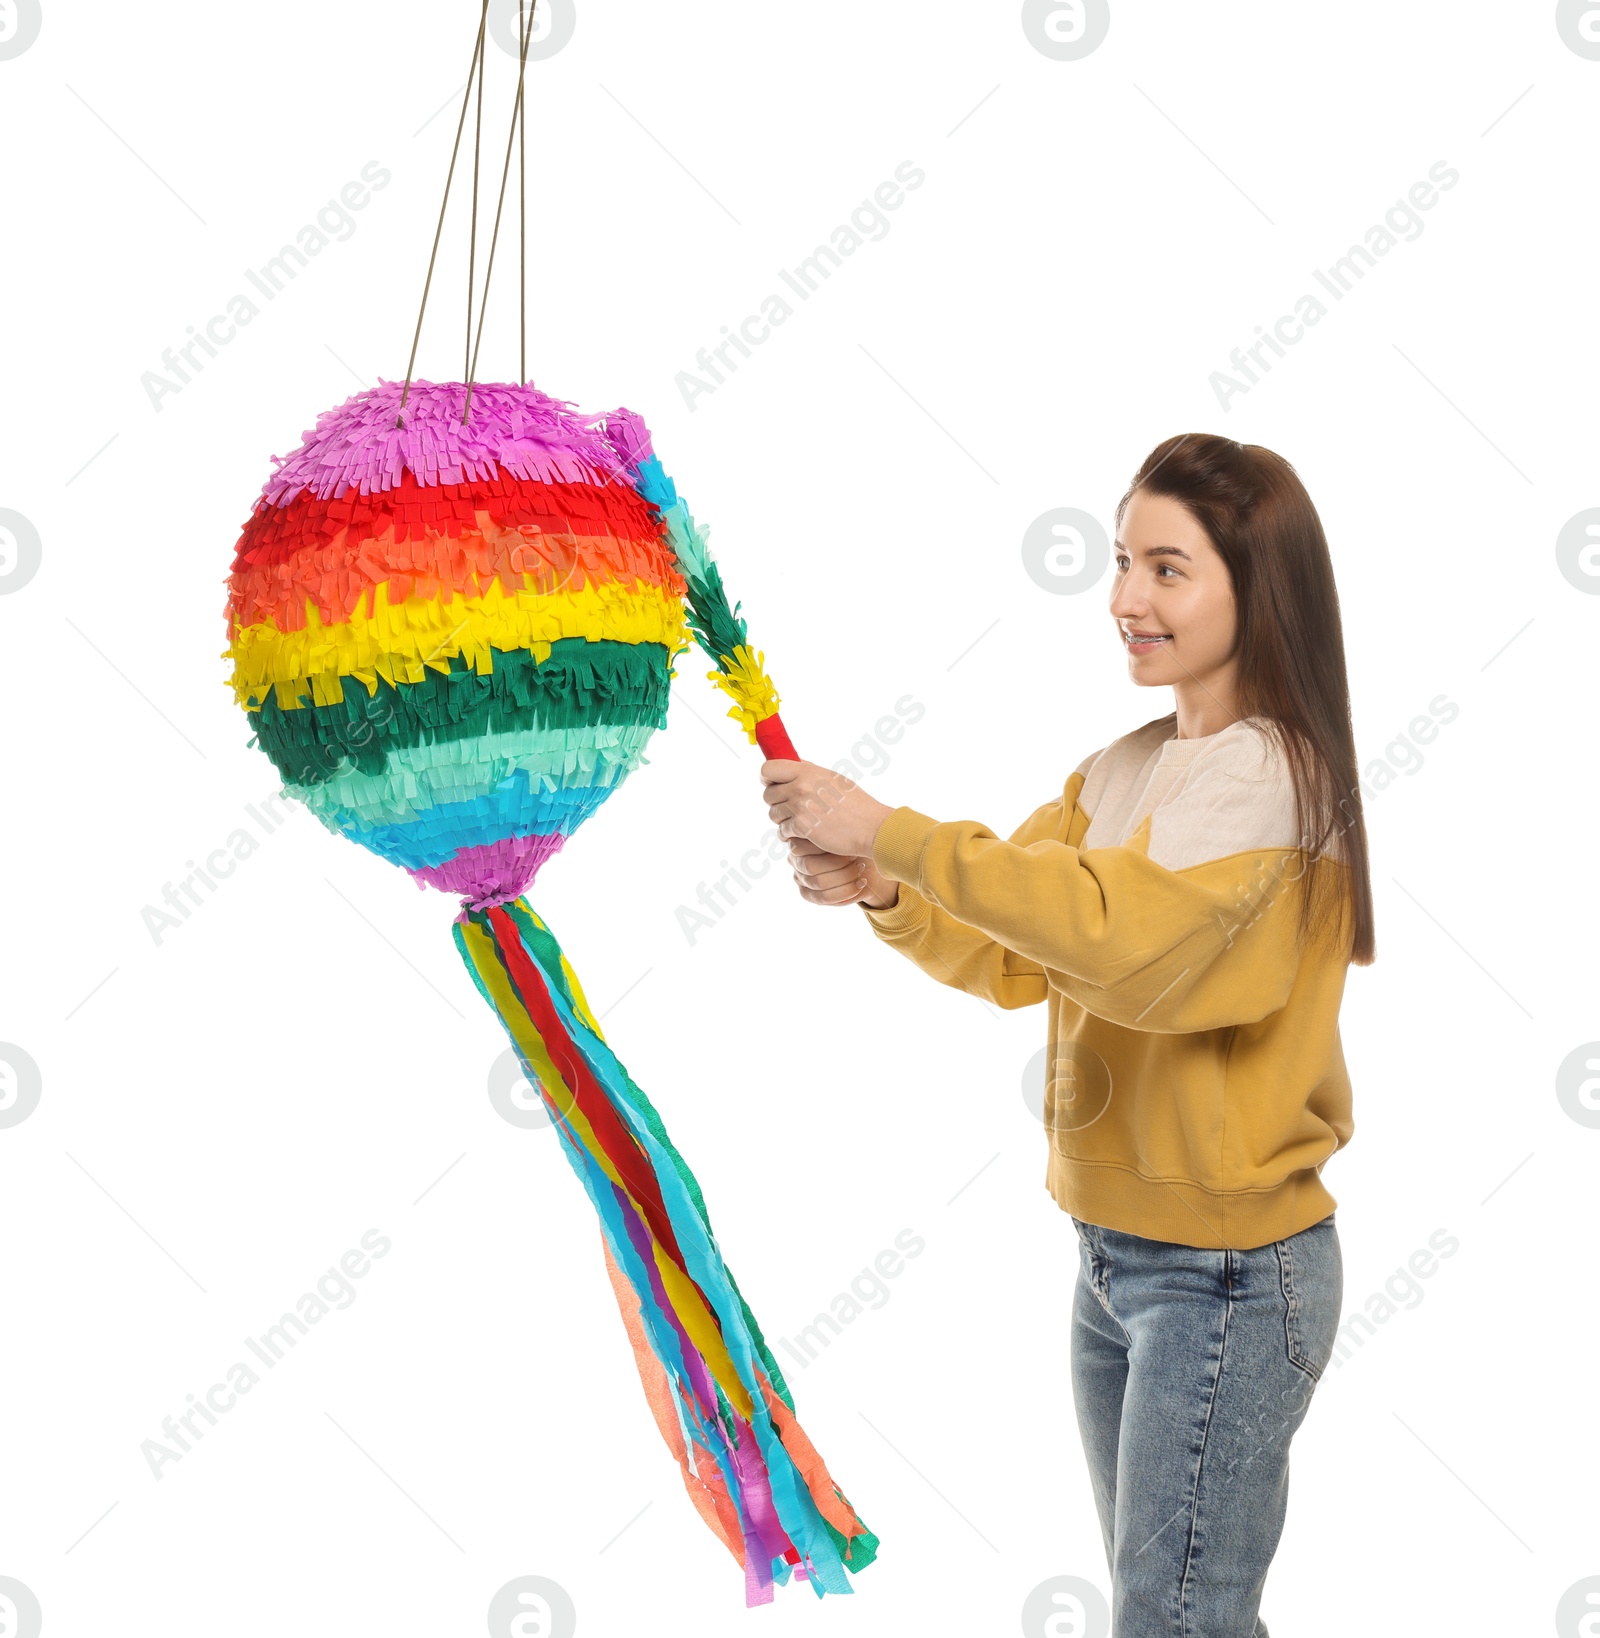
[833, 878]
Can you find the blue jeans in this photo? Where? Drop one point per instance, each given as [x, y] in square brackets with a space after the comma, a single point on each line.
[1191, 1370]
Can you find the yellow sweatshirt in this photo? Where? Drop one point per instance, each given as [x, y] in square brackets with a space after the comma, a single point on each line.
[1196, 1081]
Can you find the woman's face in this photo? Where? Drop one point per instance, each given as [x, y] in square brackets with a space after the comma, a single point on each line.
[1172, 588]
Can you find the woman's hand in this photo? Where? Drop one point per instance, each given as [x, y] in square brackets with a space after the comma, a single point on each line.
[810, 803]
[832, 878]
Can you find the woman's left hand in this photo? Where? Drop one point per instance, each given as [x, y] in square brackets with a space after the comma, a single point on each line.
[823, 807]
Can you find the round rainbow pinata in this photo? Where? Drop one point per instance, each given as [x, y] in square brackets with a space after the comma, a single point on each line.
[454, 640]
[452, 619]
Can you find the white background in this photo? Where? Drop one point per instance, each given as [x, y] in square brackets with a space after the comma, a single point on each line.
[305, 1059]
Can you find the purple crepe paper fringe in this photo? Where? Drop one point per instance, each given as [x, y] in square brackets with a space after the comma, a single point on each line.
[493, 872]
[515, 429]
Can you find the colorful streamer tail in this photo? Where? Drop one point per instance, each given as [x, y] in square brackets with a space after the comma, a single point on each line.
[714, 1389]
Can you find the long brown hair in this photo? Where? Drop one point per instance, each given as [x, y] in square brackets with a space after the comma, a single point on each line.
[1290, 647]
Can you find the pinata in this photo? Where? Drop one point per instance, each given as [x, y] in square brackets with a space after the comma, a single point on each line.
[452, 619]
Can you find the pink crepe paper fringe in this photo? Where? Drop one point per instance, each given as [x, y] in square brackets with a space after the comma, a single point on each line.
[516, 429]
[493, 872]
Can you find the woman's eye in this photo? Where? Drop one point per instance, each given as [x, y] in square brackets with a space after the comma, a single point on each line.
[1124, 564]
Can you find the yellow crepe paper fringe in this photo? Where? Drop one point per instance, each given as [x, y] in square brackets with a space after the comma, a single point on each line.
[399, 642]
[746, 682]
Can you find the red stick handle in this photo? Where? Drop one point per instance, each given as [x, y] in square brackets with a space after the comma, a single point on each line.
[773, 738]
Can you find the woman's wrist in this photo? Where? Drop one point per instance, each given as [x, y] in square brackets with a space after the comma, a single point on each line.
[882, 893]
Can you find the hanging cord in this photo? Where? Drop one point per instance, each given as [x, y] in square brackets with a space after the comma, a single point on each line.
[472, 242]
[461, 125]
[505, 173]
[522, 230]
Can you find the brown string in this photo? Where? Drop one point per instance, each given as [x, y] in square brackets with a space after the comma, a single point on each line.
[472, 243]
[411, 364]
[505, 172]
[522, 229]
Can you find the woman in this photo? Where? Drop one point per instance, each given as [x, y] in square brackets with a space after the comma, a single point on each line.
[1186, 908]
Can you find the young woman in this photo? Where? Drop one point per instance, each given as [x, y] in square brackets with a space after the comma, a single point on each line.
[1187, 908]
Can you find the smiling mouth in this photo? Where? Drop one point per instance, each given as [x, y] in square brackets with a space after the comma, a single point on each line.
[1145, 639]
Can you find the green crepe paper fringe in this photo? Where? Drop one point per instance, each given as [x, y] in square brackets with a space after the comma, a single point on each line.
[717, 626]
[580, 684]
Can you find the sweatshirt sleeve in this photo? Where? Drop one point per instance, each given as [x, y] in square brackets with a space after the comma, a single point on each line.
[1202, 941]
[961, 956]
